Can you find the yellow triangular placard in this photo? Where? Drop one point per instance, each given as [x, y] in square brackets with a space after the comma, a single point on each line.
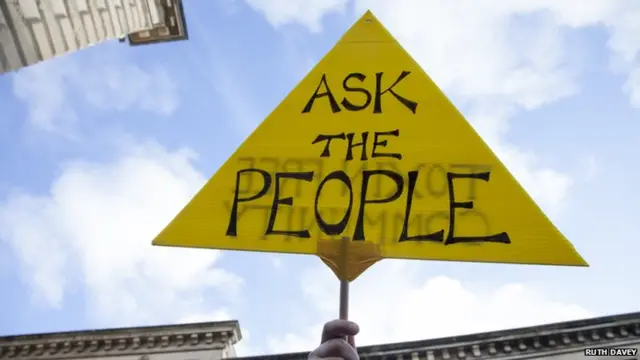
[368, 147]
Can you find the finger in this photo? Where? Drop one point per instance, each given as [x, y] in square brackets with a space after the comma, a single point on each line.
[339, 329]
[352, 341]
[336, 348]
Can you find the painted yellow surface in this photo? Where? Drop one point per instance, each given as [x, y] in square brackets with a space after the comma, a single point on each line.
[424, 185]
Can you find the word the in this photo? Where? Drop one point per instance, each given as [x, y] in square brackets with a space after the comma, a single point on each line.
[350, 144]
[617, 351]
[323, 90]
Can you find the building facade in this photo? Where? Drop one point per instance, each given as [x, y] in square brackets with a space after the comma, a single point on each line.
[199, 341]
[36, 30]
[561, 341]
[216, 340]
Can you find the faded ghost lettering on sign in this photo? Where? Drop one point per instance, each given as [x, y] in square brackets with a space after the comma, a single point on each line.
[362, 146]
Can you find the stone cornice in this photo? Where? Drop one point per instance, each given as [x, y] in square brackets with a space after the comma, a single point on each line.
[523, 343]
[521, 346]
[124, 341]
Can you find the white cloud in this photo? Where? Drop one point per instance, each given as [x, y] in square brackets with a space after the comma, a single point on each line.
[216, 315]
[127, 86]
[96, 225]
[223, 79]
[243, 348]
[409, 306]
[42, 87]
[53, 89]
[480, 50]
[307, 12]
[547, 186]
[276, 261]
[591, 167]
[499, 57]
[632, 87]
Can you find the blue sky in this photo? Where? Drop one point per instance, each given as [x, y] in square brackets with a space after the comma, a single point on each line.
[100, 148]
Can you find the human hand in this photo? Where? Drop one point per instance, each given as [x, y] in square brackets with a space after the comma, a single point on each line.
[337, 341]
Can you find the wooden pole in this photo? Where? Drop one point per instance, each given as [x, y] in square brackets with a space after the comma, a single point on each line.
[344, 283]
